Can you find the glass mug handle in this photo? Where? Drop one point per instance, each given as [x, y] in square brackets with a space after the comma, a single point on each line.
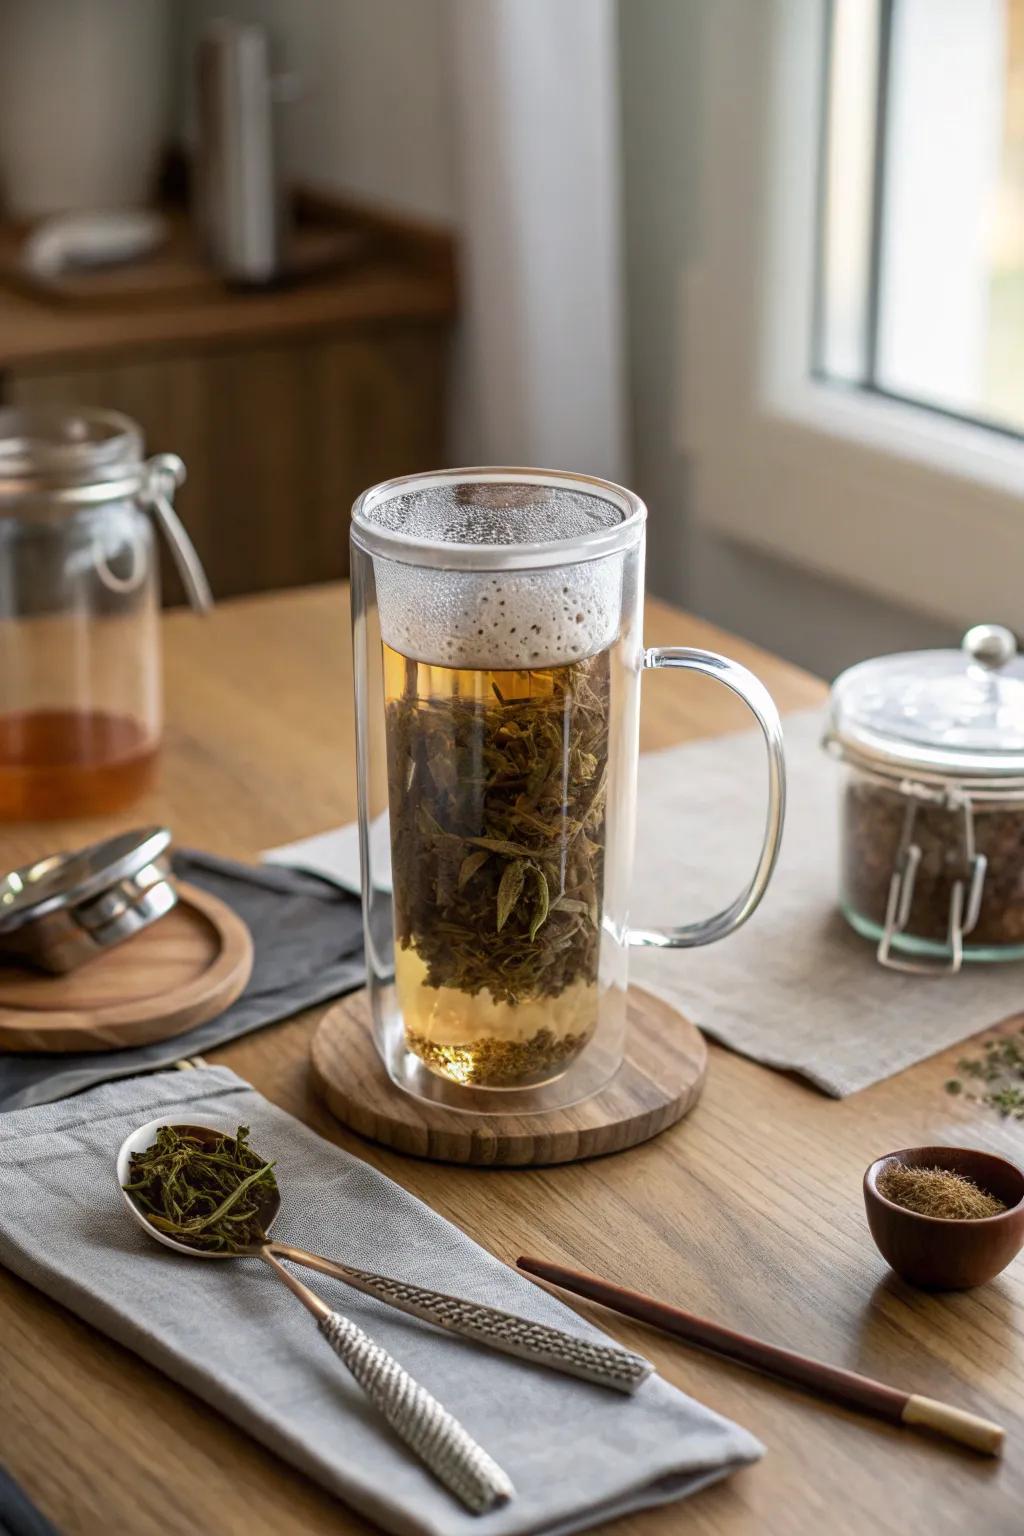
[758, 700]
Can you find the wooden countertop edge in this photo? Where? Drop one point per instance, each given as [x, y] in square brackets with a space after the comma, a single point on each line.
[410, 277]
[34, 335]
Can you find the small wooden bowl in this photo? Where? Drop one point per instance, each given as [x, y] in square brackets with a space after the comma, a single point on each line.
[937, 1253]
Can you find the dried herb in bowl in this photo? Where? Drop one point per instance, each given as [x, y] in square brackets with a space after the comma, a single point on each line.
[212, 1194]
[938, 1192]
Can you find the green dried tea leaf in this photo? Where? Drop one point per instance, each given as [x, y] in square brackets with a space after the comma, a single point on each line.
[510, 890]
[997, 1075]
[470, 864]
[540, 911]
[500, 845]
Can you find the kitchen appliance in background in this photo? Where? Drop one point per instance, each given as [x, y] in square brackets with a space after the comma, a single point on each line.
[240, 202]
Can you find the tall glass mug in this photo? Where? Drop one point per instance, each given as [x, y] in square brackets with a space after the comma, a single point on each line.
[496, 630]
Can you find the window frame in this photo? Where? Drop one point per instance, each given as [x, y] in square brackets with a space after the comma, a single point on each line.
[912, 504]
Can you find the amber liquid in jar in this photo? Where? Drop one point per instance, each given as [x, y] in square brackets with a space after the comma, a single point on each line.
[58, 763]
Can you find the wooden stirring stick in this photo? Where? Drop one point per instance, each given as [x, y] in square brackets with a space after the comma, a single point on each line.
[828, 1380]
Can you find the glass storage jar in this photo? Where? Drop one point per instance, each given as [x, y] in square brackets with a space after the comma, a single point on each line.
[932, 820]
[80, 705]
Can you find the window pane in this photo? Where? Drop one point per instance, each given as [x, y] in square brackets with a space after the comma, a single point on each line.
[925, 298]
[849, 186]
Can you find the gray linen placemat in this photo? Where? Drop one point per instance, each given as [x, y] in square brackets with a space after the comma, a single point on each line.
[577, 1454]
[307, 946]
[796, 987]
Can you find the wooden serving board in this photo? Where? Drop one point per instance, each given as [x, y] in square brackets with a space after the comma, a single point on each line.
[185, 969]
[659, 1080]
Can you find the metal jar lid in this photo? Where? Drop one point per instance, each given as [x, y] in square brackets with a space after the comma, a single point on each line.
[69, 907]
[937, 716]
[58, 460]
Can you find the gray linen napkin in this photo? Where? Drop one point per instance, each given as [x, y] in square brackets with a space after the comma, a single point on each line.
[795, 988]
[230, 1332]
[307, 946]
[18, 1515]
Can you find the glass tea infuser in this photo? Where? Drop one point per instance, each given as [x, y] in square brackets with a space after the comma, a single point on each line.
[498, 655]
[932, 864]
[80, 700]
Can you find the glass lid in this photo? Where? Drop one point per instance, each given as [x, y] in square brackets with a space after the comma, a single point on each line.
[496, 519]
[958, 714]
[55, 449]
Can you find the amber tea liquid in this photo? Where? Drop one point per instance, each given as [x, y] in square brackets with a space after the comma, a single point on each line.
[497, 785]
[58, 763]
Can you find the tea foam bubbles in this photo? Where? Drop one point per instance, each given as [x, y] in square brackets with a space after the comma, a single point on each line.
[500, 620]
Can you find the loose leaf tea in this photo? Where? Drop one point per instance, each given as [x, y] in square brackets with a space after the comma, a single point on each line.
[874, 827]
[497, 824]
[499, 1063]
[497, 786]
[209, 1194]
[996, 1077]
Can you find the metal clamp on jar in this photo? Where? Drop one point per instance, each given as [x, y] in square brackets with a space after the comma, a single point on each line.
[932, 865]
[79, 608]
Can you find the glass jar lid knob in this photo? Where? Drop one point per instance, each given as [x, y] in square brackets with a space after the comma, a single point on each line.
[990, 645]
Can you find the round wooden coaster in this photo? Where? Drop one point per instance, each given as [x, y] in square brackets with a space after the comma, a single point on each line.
[659, 1080]
[185, 969]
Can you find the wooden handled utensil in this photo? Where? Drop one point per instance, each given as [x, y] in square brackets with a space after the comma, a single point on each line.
[831, 1381]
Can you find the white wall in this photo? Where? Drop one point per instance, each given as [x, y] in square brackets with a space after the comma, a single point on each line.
[498, 118]
[819, 624]
[660, 116]
[537, 151]
[374, 119]
[378, 121]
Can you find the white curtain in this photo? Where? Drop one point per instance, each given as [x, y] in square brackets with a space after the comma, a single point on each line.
[537, 152]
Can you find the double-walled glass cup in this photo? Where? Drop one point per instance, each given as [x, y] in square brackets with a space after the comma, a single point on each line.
[497, 642]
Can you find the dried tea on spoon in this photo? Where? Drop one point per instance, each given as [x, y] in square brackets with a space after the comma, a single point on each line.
[209, 1195]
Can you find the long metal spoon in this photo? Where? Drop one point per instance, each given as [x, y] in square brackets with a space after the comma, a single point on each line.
[605, 1364]
[429, 1430]
[608, 1365]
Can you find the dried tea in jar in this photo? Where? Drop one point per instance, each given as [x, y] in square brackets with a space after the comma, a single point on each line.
[932, 818]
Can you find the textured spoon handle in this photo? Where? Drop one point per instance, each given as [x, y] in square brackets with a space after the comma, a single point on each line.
[429, 1430]
[606, 1364]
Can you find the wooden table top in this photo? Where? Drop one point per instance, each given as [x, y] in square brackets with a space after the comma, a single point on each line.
[749, 1211]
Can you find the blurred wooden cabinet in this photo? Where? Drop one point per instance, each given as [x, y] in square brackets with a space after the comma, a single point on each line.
[282, 406]
[278, 440]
